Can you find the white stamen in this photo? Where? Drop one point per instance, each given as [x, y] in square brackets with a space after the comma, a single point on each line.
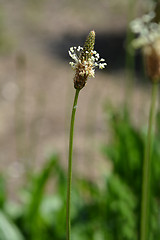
[87, 67]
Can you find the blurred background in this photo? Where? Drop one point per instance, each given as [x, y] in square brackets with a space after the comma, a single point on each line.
[37, 82]
[36, 88]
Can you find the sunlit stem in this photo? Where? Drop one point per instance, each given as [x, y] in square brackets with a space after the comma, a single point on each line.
[69, 183]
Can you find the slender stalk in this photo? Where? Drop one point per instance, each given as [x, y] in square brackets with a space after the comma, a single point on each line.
[144, 225]
[69, 183]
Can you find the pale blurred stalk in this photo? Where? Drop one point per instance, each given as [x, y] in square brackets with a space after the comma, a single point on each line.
[146, 177]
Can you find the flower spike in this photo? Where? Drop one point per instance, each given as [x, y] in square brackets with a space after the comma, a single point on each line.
[86, 60]
[88, 46]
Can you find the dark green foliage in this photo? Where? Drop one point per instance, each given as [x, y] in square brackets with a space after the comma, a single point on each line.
[34, 220]
[108, 212]
[126, 151]
[121, 205]
[2, 191]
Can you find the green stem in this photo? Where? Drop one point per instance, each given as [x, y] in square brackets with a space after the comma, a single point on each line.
[69, 183]
[144, 225]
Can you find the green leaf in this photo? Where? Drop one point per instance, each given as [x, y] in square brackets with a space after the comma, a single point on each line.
[2, 191]
[39, 185]
[33, 218]
[8, 231]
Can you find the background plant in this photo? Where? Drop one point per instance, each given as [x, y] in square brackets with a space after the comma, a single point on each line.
[126, 152]
[107, 211]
